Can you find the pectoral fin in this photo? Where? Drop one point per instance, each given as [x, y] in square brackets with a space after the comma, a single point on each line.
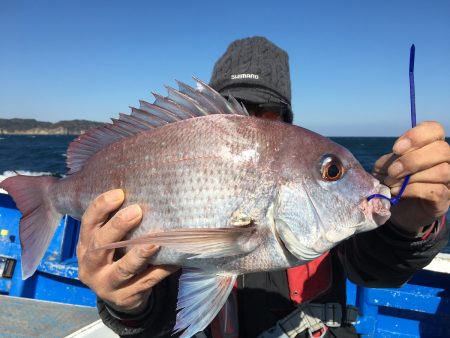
[202, 243]
[200, 298]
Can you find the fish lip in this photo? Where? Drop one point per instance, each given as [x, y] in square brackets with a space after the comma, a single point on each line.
[385, 203]
[377, 208]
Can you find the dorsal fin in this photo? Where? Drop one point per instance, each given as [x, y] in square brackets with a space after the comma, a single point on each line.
[202, 99]
[181, 104]
[186, 101]
[215, 97]
[170, 105]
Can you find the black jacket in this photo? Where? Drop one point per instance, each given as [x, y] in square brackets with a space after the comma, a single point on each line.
[384, 257]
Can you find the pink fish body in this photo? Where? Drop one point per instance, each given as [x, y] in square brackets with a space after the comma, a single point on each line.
[223, 193]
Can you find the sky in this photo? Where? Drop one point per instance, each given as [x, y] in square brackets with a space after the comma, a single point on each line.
[64, 60]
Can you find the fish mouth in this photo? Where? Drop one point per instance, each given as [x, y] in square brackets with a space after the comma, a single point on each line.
[378, 209]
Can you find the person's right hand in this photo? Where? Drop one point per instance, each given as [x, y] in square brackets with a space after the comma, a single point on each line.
[124, 284]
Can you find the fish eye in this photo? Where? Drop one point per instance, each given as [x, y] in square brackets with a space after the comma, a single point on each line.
[332, 168]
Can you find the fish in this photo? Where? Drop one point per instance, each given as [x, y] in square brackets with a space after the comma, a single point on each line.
[222, 193]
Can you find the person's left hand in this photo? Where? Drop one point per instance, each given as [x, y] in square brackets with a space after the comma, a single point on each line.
[423, 153]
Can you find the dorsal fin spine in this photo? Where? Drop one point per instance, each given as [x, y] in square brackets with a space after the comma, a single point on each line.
[137, 122]
[153, 120]
[175, 108]
[202, 99]
[130, 128]
[185, 101]
[118, 130]
[123, 127]
[160, 112]
[215, 96]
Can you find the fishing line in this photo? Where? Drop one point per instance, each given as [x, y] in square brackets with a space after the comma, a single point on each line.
[412, 98]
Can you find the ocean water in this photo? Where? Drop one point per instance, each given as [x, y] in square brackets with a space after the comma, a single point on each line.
[44, 155]
[34, 154]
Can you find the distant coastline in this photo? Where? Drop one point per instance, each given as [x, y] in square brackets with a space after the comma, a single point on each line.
[33, 127]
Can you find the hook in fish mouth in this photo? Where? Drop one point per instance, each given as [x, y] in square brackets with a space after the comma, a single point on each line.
[387, 194]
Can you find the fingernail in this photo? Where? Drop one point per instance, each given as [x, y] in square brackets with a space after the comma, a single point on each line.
[114, 195]
[131, 212]
[396, 169]
[402, 146]
[150, 249]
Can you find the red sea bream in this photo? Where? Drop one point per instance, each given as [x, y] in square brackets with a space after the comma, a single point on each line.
[222, 193]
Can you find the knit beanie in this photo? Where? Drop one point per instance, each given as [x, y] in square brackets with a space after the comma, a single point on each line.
[254, 70]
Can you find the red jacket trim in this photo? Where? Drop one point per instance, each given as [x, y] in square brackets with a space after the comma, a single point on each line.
[307, 281]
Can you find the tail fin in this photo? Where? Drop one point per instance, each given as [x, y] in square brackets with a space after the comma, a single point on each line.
[39, 218]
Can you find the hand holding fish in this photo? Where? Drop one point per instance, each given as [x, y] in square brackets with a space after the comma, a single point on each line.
[129, 279]
[423, 153]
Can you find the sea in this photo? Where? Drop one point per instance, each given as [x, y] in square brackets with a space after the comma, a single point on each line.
[46, 154]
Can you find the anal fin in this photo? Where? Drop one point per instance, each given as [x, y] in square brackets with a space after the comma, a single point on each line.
[201, 295]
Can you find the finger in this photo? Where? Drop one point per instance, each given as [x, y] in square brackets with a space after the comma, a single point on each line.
[382, 164]
[152, 276]
[419, 136]
[98, 212]
[114, 230]
[420, 159]
[119, 225]
[131, 264]
[437, 174]
[131, 296]
[437, 196]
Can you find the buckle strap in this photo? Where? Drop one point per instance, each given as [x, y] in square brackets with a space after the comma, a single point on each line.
[313, 318]
[333, 314]
[306, 316]
[351, 315]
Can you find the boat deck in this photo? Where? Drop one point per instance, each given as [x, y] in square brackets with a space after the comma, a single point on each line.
[24, 317]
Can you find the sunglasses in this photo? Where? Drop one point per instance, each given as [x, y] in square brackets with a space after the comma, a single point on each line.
[265, 109]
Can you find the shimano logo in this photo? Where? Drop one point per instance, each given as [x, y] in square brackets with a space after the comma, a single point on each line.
[244, 76]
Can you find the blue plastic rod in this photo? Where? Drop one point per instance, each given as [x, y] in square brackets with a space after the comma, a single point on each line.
[412, 98]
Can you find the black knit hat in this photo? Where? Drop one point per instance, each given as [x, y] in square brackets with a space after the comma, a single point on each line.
[254, 70]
